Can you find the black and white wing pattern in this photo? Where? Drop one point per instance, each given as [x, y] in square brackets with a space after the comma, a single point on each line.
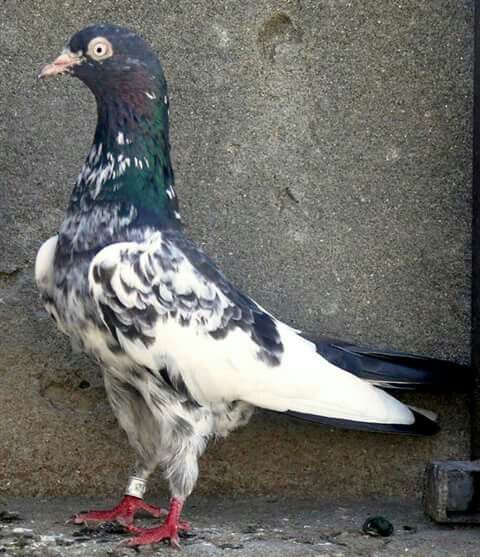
[168, 306]
[141, 285]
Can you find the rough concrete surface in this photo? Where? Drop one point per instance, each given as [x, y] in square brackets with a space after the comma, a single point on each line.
[246, 527]
[322, 155]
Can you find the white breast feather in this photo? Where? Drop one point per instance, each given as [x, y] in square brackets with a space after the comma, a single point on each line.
[44, 265]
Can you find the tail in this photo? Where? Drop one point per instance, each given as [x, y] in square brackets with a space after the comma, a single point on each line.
[307, 385]
[394, 370]
[423, 425]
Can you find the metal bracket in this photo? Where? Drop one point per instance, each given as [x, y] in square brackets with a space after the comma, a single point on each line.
[452, 491]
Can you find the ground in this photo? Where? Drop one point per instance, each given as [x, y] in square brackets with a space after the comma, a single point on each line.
[246, 527]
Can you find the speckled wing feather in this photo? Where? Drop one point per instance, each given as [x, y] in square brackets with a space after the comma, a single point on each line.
[156, 295]
[169, 307]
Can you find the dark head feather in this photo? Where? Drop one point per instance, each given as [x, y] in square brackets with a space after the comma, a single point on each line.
[129, 163]
[131, 67]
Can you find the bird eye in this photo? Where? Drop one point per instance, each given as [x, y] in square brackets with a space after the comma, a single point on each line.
[100, 48]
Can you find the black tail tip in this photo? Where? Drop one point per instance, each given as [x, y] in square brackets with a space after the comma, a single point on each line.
[422, 426]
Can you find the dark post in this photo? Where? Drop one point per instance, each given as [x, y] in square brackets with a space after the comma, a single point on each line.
[452, 488]
[476, 244]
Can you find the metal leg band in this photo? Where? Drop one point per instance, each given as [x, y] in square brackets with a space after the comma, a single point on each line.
[136, 487]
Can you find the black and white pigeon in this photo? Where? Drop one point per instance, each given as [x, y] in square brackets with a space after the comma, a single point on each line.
[185, 355]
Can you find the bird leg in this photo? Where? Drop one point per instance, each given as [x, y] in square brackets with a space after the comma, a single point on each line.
[168, 530]
[125, 511]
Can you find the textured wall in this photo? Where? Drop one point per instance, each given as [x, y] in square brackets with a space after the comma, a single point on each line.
[322, 154]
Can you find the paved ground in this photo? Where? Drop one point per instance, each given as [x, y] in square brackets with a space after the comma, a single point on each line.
[247, 527]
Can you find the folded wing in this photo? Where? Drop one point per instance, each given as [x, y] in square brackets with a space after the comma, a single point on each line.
[168, 306]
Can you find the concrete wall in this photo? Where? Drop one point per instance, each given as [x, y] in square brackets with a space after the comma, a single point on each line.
[322, 154]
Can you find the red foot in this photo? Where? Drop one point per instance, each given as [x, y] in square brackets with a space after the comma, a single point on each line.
[168, 530]
[123, 513]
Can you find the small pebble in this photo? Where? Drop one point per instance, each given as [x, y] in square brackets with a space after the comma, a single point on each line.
[22, 533]
[230, 546]
[7, 516]
[378, 526]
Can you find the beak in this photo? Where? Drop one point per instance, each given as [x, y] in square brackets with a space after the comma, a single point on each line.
[63, 64]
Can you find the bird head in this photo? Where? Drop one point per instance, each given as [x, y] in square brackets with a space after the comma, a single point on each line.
[129, 162]
[109, 59]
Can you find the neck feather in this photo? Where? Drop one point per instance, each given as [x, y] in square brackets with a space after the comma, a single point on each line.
[129, 162]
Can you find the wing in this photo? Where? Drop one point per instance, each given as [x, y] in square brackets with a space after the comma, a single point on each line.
[167, 305]
[164, 299]
[44, 276]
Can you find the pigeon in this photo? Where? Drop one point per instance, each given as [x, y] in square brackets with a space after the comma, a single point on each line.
[185, 355]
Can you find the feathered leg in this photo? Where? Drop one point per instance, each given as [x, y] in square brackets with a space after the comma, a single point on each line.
[142, 429]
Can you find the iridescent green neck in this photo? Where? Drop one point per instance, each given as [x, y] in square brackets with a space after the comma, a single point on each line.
[129, 162]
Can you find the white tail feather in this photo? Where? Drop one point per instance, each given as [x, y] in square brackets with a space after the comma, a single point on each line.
[307, 383]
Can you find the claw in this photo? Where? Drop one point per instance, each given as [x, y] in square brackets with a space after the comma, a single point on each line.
[123, 513]
[184, 526]
[147, 536]
[166, 531]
